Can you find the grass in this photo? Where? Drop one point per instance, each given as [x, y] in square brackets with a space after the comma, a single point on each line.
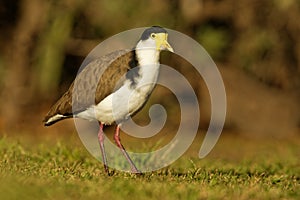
[236, 169]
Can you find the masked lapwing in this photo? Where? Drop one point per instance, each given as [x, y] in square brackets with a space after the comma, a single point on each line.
[132, 74]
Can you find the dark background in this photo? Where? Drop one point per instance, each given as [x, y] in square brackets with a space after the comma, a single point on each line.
[255, 44]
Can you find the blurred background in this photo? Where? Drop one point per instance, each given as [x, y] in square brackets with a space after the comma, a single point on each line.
[255, 44]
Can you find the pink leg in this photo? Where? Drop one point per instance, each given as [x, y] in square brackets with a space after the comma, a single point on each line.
[119, 144]
[101, 143]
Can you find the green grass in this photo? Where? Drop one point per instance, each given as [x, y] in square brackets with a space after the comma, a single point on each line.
[236, 169]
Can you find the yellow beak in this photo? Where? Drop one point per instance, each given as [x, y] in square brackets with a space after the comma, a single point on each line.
[162, 42]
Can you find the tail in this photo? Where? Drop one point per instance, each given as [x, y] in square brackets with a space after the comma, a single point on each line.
[49, 120]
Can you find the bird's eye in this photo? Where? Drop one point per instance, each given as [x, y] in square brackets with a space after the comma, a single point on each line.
[152, 35]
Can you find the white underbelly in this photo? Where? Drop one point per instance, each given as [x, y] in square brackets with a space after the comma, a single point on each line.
[119, 105]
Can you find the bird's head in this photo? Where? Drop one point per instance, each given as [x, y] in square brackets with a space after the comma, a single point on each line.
[155, 37]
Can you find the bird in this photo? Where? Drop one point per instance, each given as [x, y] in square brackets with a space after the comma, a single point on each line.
[126, 82]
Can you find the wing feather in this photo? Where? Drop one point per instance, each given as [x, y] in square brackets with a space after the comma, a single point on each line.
[95, 82]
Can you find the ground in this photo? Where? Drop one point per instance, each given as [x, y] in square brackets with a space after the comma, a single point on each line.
[59, 167]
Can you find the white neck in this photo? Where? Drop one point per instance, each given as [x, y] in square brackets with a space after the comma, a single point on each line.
[148, 61]
[147, 54]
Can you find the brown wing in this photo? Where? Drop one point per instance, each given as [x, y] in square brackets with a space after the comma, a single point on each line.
[95, 82]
